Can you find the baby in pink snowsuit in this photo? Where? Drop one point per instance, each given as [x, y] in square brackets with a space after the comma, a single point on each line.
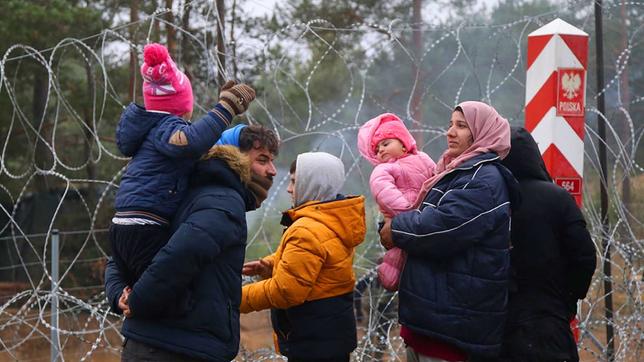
[396, 180]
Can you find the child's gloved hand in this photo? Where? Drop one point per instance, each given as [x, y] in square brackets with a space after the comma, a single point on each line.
[236, 97]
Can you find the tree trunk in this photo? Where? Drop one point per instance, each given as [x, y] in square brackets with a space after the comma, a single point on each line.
[221, 49]
[232, 40]
[42, 153]
[89, 136]
[185, 41]
[625, 100]
[171, 31]
[156, 27]
[134, 17]
[416, 101]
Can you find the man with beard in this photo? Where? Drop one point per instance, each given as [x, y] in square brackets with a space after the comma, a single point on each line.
[185, 307]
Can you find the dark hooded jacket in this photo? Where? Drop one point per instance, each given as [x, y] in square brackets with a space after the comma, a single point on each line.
[552, 258]
[202, 261]
[454, 285]
[156, 179]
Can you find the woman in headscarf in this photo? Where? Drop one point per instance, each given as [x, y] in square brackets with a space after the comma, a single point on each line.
[309, 279]
[454, 287]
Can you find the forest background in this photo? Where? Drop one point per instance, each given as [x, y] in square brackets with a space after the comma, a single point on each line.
[321, 69]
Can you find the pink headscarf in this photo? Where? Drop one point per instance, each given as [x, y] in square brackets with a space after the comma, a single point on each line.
[491, 133]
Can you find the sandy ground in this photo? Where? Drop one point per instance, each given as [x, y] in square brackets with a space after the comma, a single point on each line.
[256, 342]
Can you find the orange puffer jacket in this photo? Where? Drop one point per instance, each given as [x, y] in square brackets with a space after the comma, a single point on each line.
[314, 259]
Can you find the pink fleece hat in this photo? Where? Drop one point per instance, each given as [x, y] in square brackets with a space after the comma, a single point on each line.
[386, 125]
[390, 126]
[165, 87]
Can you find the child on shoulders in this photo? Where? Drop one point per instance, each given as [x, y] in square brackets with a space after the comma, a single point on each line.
[164, 147]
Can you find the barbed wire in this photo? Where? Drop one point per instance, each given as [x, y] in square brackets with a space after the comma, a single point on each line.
[89, 328]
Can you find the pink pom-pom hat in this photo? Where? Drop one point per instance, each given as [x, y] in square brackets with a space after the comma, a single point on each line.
[165, 87]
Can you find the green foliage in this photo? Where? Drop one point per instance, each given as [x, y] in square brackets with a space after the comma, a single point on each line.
[43, 23]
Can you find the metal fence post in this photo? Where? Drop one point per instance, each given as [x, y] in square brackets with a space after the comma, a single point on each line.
[603, 185]
[55, 351]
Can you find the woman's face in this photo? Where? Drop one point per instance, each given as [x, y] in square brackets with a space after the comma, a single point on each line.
[459, 136]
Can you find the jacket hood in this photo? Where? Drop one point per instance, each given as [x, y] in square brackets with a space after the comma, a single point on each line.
[226, 165]
[386, 125]
[133, 127]
[318, 177]
[524, 159]
[344, 215]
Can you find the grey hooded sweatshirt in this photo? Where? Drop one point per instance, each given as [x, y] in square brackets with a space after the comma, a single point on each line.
[313, 184]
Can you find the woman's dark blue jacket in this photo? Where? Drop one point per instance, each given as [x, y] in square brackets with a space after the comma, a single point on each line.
[187, 301]
[454, 286]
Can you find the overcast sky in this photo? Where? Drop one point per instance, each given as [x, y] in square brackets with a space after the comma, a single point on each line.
[261, 7]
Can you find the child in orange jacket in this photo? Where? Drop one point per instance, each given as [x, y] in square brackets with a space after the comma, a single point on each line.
[310, 279]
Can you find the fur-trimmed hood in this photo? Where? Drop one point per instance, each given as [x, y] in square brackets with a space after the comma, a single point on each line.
[227, 166]
[234, 158]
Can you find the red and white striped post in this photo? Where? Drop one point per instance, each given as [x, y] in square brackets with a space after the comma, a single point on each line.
[555, 100]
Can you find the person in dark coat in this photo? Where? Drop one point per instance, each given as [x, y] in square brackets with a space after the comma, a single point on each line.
[552, 257]
[454, 286]
[185, 306]
[164, 146]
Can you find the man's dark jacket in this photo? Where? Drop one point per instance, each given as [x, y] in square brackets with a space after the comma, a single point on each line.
[199, 269]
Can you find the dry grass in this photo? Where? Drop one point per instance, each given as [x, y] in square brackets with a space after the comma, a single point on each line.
[29, 340]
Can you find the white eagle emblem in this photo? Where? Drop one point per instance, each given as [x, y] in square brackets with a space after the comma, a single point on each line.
[570, 83]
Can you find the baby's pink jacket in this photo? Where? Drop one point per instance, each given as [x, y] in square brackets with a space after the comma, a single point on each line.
[395, 185]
